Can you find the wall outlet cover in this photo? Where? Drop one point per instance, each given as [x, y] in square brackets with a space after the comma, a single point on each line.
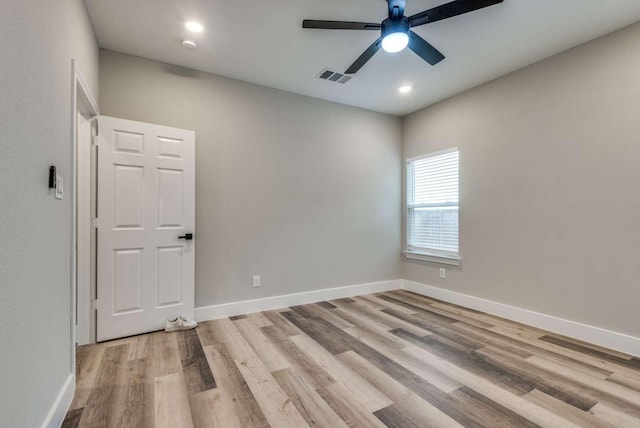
[256, 280]
[443, 273]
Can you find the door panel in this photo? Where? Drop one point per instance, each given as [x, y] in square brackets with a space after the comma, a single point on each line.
[146, 200]
[129, 196]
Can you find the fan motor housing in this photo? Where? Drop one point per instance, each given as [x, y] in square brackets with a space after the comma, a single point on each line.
[390, 26]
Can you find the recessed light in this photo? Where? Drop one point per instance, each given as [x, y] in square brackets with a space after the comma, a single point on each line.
[189, 44]
[194, 26]
[405, 89]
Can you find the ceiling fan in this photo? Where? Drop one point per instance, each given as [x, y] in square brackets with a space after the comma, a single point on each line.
[396, 31]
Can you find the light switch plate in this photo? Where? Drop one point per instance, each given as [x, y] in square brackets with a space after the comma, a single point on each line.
[59, 187]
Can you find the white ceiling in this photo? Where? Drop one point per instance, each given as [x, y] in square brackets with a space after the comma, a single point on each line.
[261, 41]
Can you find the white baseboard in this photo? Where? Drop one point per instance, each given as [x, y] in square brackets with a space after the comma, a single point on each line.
[207, 313]
[587, 333]
[59, 409]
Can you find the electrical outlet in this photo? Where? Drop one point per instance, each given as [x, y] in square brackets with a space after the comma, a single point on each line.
[256, 281]
[443, 273]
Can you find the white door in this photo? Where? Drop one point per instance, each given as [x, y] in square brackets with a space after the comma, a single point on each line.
[146, 209]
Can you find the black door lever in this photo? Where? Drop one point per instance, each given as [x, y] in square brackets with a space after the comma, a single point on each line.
[186, 236]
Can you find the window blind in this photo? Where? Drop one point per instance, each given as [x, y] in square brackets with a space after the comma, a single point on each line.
[432, 203]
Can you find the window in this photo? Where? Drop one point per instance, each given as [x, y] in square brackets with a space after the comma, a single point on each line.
[432, 207]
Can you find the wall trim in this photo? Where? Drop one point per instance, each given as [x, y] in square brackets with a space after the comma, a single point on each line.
[58, 411]
[587, 333]
[224, 310]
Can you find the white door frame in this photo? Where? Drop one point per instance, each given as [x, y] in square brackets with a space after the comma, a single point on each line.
[82, 101]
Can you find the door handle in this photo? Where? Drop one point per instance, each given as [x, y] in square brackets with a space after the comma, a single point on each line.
[186, 236]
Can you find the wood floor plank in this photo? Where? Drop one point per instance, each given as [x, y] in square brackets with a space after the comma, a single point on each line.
[388, 359]
[72, 418]
[172, 407]
[305, 366]
[281, 323]
[465, 359]
[483, 386]
[315, 411]
[328, 315]
[103, 395]
[381, 302]
[625, 380]
[589, 345]
[326, 305]
[238, 317]
[321, 332]
[615, 416]
[404, 399]
[624, 393]
[196, 370]
[572, 387]
[418, 309]
[210, 409]
[412, 381]
[276, 406]
[633, 363]
[270, 355]
[415, 366]
[344, 300]
[518, 331]
[570, 413]
[483, 364]
[259, 320]
[86, 372]
[370, 327]
[353, 383]
[166, 355]
[128, 411]
[236, 398]
[513, 343]
[393, 417]
[386, 321]
[488, 413]
[141, 347]
[444, 329]
[460, 316]
[349, 407]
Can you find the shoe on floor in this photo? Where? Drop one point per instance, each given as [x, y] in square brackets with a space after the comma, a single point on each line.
[180, 323]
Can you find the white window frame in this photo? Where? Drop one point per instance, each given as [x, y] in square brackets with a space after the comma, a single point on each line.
[425, 254]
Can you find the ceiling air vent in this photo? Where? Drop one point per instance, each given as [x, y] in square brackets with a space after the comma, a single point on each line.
[333, 76]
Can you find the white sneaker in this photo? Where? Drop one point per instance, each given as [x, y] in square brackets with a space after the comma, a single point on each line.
[180, 323]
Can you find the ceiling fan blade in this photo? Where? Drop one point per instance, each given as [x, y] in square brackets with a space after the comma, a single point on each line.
[396, 8]
[424, 50]
[339, 25]
[449, 10]
[366, 56]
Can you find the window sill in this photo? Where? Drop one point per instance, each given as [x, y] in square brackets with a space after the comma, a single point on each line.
[432, 257]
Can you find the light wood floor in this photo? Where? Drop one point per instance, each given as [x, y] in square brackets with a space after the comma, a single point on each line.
[393, 359]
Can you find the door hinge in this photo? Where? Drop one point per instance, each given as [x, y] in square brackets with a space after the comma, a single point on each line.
[94, 304]
[95, 140]
[94, 223]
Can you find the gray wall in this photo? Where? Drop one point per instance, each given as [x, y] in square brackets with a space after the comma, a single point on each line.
[304, 192]
[38, 39]
[550, 172]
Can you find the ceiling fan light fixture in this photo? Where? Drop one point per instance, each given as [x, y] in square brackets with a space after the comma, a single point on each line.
[395, 34]
[395, 42]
